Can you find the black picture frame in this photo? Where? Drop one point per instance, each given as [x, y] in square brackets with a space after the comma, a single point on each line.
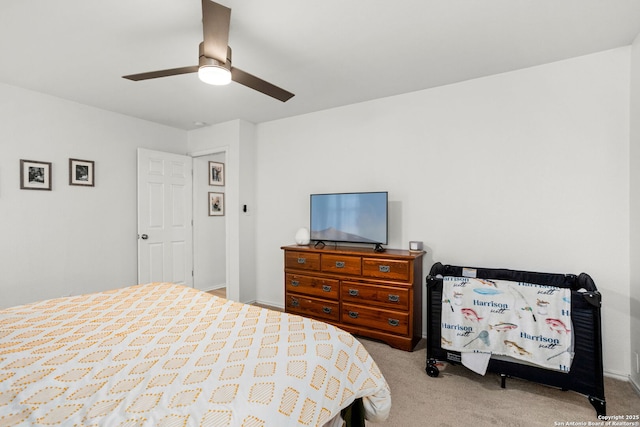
[216, 173]
[82, 172]
[35, 175]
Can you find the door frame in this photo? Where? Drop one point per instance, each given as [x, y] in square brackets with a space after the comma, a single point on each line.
[232, 288]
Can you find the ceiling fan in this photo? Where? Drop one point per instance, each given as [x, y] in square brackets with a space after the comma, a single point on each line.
[214, 65]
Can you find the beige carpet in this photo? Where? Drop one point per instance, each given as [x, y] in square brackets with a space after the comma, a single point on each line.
[459, 397]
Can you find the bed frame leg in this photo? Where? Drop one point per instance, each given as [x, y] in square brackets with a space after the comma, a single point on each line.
[503, 381]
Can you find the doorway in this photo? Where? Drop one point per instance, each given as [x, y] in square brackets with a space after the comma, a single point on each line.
[209, 231]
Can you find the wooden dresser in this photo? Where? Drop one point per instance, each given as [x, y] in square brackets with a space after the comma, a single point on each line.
[376, 295]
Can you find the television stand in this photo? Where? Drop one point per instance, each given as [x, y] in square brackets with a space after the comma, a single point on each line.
[378, 248]
[319, 244]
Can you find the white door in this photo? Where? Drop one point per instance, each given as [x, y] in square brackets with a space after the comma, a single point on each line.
[165, 241]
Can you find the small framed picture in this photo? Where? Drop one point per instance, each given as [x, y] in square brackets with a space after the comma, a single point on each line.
[35, 175]
[216, 204]
[81, 172]
[216, 173]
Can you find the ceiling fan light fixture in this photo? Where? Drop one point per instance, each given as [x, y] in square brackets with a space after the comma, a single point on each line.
[214, 75]
[214, 57]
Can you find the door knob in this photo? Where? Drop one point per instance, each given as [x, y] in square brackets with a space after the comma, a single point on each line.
[144, 237]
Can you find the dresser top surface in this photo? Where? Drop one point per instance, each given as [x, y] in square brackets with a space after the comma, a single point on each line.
[353, 250]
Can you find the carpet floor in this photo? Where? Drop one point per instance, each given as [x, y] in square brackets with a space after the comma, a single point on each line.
[459, 397]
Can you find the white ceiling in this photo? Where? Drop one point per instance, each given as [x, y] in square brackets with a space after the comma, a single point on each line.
[328, 52]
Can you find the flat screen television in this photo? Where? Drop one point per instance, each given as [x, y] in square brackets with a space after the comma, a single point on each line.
[350, 217]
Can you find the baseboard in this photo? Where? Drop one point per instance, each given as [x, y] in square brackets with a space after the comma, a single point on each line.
[276, 307]
[215, 288]
[634, 385]
[616, 375]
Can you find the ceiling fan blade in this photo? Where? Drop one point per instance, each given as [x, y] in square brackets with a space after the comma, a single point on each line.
[215, 26]
[162, 73]
[260, 85]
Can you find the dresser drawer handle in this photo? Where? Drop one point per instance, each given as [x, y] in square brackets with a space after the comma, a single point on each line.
[327, 310]
[295, 283]
[295, 302]
[353, 314]
[302, 260]
[384, 268]
[394, 322]
[394, 298]
[353, 292]
[326, 288]
[339, 264]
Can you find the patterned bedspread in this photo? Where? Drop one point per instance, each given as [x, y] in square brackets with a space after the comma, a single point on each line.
[168, 355]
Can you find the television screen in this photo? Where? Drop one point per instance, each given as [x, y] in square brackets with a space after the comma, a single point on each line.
[349, 217]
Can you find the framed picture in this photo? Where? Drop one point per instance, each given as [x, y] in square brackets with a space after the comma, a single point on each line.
[81, 172]
[216, 173]
[216, 204]
[35, 175]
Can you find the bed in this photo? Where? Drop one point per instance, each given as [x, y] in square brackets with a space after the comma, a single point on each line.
[162, 354]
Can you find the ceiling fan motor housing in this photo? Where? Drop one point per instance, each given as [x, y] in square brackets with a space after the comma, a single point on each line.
[204, 61]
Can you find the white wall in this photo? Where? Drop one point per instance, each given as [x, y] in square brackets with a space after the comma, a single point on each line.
[246, 220]
[635, 213]
[70, 240]
[209, 232]
[523, 170]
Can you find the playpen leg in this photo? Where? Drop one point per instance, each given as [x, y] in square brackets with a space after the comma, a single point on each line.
[599, 405]
[432, 369]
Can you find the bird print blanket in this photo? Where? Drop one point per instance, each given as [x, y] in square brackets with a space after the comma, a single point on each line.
[166, 355]
[528, 322]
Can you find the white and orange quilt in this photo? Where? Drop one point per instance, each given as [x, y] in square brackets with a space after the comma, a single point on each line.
[167, 355]
[525, 321]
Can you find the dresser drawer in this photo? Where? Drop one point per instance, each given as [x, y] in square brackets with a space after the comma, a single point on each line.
[385, 296]
[385, 320]
[343, 264]
[313, 286]
[302, 260]
[312, 307]
[385, 268]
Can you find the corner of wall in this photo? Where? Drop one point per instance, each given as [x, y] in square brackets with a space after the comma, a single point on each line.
[634, 214]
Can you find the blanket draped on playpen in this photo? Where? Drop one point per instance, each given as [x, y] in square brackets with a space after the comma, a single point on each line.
[528, 322]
